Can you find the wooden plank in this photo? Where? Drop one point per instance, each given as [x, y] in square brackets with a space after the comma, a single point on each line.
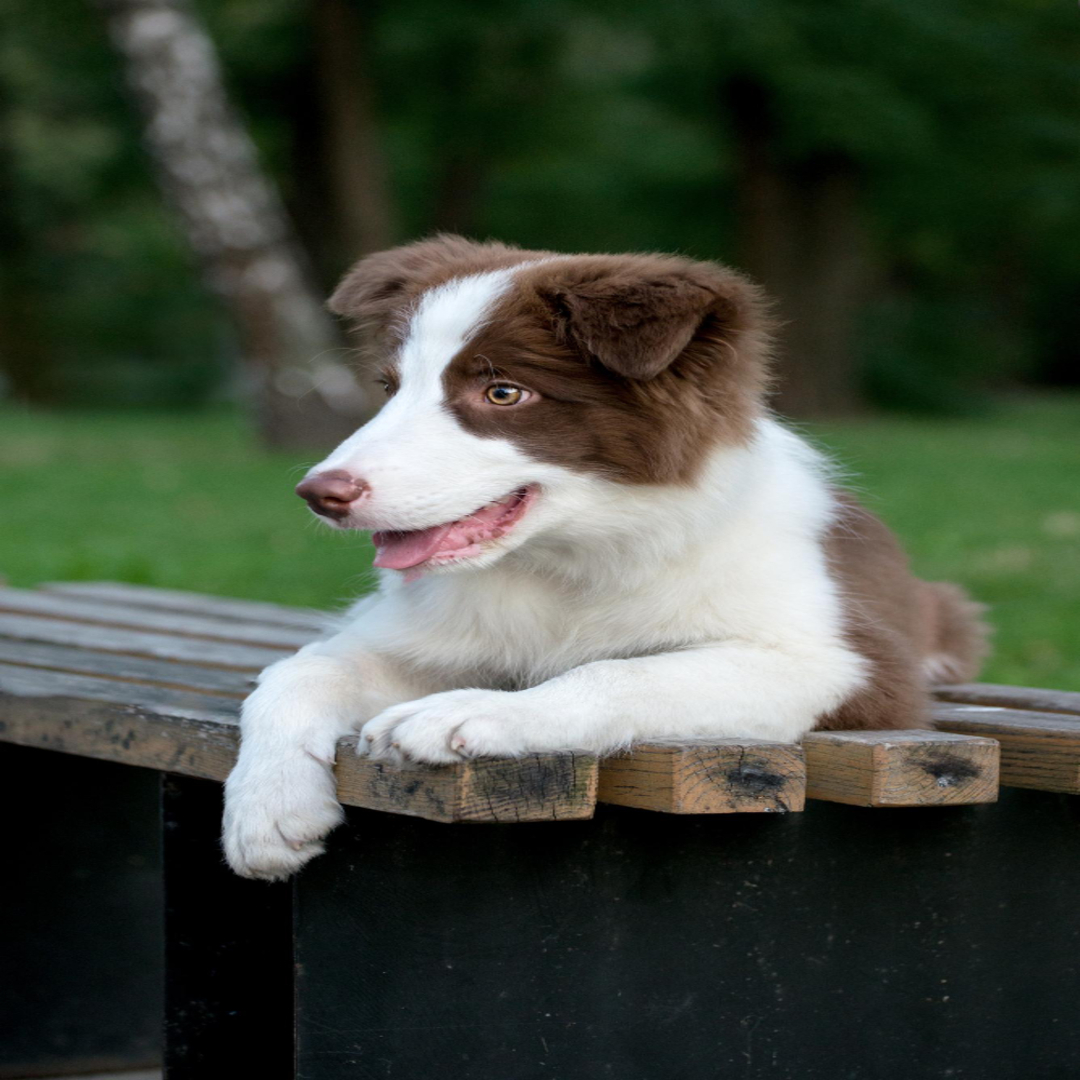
[32, 684]
[722, 777]
[197, 735]
[1039, 750]
[536, 787]
[195, 603]
[138, 642]
[1013, 697]
[129, 668]
[74, 609]
[900, 768]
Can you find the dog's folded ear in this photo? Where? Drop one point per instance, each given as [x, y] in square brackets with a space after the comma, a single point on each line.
[379, 286]
[636, 315]
[374, 288]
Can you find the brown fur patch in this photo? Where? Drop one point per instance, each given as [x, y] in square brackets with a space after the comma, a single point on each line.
[954, 631]
[892, 619]
[691, 334]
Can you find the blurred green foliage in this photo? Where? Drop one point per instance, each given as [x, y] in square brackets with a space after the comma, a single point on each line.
[575, 124]
[189, 501]
[109, 307]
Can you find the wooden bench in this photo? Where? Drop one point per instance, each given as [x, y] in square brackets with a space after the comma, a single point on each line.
[621, 943]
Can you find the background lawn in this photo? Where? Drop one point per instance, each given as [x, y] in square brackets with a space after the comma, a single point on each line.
[190, 501]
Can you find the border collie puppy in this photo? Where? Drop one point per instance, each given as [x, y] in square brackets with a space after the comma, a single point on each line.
[591, 532]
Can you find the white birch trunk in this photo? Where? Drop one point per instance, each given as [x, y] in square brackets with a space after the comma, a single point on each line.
[236, 224]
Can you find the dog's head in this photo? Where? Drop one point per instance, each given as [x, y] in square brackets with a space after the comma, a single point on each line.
[526, 388]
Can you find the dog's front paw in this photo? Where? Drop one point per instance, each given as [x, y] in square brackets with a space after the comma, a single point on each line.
[450, 727]
[276, 815]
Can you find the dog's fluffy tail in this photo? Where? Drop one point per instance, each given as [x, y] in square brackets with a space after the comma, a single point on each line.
[956, 634]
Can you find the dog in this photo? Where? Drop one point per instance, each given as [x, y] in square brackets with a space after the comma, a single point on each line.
[591, 531]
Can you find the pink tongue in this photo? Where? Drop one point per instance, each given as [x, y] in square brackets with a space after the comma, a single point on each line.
[400, 550]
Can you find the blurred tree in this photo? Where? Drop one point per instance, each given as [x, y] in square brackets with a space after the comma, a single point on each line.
[363, 210]
[469, 89]
[900, 173]
[800, 230]
[235, 224]
[23, 351]
[895, 150]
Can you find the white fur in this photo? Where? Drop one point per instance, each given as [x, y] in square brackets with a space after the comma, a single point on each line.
[610, 614]
[423, 467]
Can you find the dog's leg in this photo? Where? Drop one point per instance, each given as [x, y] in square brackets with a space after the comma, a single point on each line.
[280, 798]
[736, 690]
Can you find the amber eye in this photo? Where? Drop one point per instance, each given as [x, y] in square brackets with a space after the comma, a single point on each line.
[504, 394]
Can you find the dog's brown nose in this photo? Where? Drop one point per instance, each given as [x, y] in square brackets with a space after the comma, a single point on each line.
[331, 493]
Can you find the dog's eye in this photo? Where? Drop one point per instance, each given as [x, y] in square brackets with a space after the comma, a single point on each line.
[387, 385]
[505, 394]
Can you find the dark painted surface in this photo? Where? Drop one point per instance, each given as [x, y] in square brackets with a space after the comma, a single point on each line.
[229, 979]
[80, 911]
[840, 944]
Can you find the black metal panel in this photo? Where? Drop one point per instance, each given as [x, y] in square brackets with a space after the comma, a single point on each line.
[229, 978]
[839, 944]
[80, 908]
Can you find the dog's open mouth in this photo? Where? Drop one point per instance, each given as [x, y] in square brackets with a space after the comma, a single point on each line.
[457, 539]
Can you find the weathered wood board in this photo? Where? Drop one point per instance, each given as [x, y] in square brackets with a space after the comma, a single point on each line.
[1012, 697]
[723, 777]
[139, 669]
[1039, 750]
[111, 592]
[138, 642]
[536, 787]
[196, 734]
[154, 677]
[80, 610]
[900, 768]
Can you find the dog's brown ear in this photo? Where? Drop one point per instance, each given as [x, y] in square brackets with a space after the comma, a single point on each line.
[369, 292]
[376, 286]
[379, 286]
[637, 314]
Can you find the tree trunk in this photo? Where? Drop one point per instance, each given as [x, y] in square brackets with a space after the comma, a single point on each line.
[24, 356]
[458, 190]
[801, 234]
[236, 225]
[363, 210]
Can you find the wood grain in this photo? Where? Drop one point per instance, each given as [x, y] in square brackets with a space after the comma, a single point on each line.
[1039, 750]
[33, 683]
[77, 609]
[195, 603]
[537, 787]
[1014, 697]
[154, 677]
[727, 776]
[177, 675]
[900, 768]
[143, 726]
[138, 642]
[198, 735]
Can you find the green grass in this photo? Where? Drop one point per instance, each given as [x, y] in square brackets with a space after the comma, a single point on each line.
[192, 502]
[187, 501]
[993, 503]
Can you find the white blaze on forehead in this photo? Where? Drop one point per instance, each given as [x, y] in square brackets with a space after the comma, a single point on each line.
[413, 425]
[443, 322]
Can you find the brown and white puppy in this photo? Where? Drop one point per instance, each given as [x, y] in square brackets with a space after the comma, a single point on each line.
[591, 531]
